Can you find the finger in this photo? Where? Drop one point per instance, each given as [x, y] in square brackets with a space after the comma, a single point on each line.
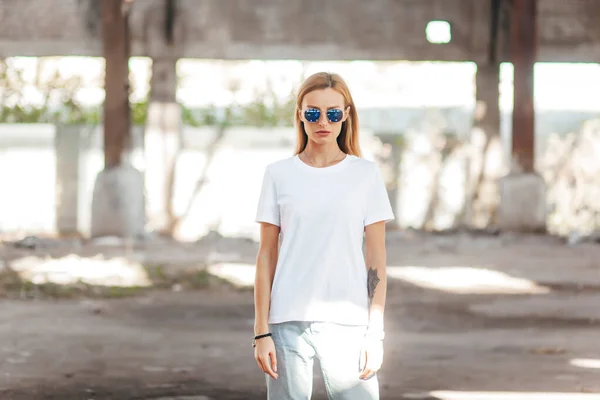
[256, 358]
[273, 357]
[365, 373]
[260, 364]
[267, 365]
[373, 365]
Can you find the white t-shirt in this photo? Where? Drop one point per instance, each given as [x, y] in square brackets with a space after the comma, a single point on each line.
[322, 212]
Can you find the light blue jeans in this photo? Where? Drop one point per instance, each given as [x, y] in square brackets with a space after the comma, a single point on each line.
[338, 350]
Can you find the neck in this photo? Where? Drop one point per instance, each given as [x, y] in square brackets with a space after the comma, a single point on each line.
[321, 152]
[322, 155]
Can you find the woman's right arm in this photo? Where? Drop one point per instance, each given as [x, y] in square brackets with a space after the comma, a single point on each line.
[266, 261]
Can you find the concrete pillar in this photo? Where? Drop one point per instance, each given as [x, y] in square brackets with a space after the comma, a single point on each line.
[118, 203]
[522, 191]
[118, 197]
[523, 56]
[162, 144]
[389, 159]
[115, 37]
[67, 147]
[487, 115]
[163, 126]
[486, 161]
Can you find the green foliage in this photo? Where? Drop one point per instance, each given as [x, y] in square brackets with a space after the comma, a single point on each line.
[50, 87]
[139, 112]
[197, 118]
[59, 103]
[267, 110]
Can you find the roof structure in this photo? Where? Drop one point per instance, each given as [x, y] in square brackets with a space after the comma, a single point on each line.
[303, 29]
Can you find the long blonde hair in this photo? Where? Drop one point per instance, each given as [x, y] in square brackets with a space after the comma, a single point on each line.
[348, 138]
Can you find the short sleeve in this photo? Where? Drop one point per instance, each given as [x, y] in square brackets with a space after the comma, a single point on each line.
[379, 207]
[268, 208]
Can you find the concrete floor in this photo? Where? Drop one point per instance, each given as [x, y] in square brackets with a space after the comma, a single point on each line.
[508, 317]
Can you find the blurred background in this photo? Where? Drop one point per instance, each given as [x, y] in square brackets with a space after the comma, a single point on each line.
[133, 140]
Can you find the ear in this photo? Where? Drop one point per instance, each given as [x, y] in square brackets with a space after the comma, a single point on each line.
[346, 114]
[300, 116]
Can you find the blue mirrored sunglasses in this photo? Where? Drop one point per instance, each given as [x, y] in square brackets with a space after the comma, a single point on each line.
[333, 114]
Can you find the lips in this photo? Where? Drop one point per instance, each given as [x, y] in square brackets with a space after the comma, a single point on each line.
[322, 133]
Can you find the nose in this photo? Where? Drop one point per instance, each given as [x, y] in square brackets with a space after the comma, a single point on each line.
[323, 119]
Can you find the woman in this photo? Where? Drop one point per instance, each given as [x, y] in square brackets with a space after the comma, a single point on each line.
[315, 294]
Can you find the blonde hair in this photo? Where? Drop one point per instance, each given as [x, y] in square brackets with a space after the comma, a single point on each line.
[348, 137]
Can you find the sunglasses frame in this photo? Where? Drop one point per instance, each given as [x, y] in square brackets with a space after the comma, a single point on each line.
[313, 115]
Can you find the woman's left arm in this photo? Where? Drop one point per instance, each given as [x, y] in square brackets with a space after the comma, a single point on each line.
[376, 274]
[377, 289]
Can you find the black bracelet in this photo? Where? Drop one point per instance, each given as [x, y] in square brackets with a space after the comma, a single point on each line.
[264, 335]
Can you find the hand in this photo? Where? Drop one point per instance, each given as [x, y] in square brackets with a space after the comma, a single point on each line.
[265, 356]
[371, 357]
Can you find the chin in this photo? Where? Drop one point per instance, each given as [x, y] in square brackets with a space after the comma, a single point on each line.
[323, 140]
[320, 141]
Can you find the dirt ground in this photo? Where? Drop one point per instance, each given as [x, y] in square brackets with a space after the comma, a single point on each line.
[472, 335]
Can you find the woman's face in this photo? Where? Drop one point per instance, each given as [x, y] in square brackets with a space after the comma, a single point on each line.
[323, 112]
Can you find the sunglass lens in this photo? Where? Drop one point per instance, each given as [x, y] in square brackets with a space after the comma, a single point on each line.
[335, 115]
[312, 114]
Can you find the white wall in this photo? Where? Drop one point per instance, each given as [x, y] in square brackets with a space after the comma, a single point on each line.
[27, 178]
[30, 190]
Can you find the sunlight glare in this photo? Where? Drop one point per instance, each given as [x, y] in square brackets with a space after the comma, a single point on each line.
[585, 363]
[71, 269]
[464, 280]
[451, 395]
[241, 275]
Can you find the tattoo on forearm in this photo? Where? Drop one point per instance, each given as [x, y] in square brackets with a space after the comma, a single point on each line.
[372, 281]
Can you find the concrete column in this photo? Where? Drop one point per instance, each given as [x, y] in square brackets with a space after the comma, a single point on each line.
[523, 56]
[485, 166]
[389, 159]
[522, 191]
[487, 115]
[115, 37]
[162, 144]
[163, 126]
[118, 197]
[67, 147]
